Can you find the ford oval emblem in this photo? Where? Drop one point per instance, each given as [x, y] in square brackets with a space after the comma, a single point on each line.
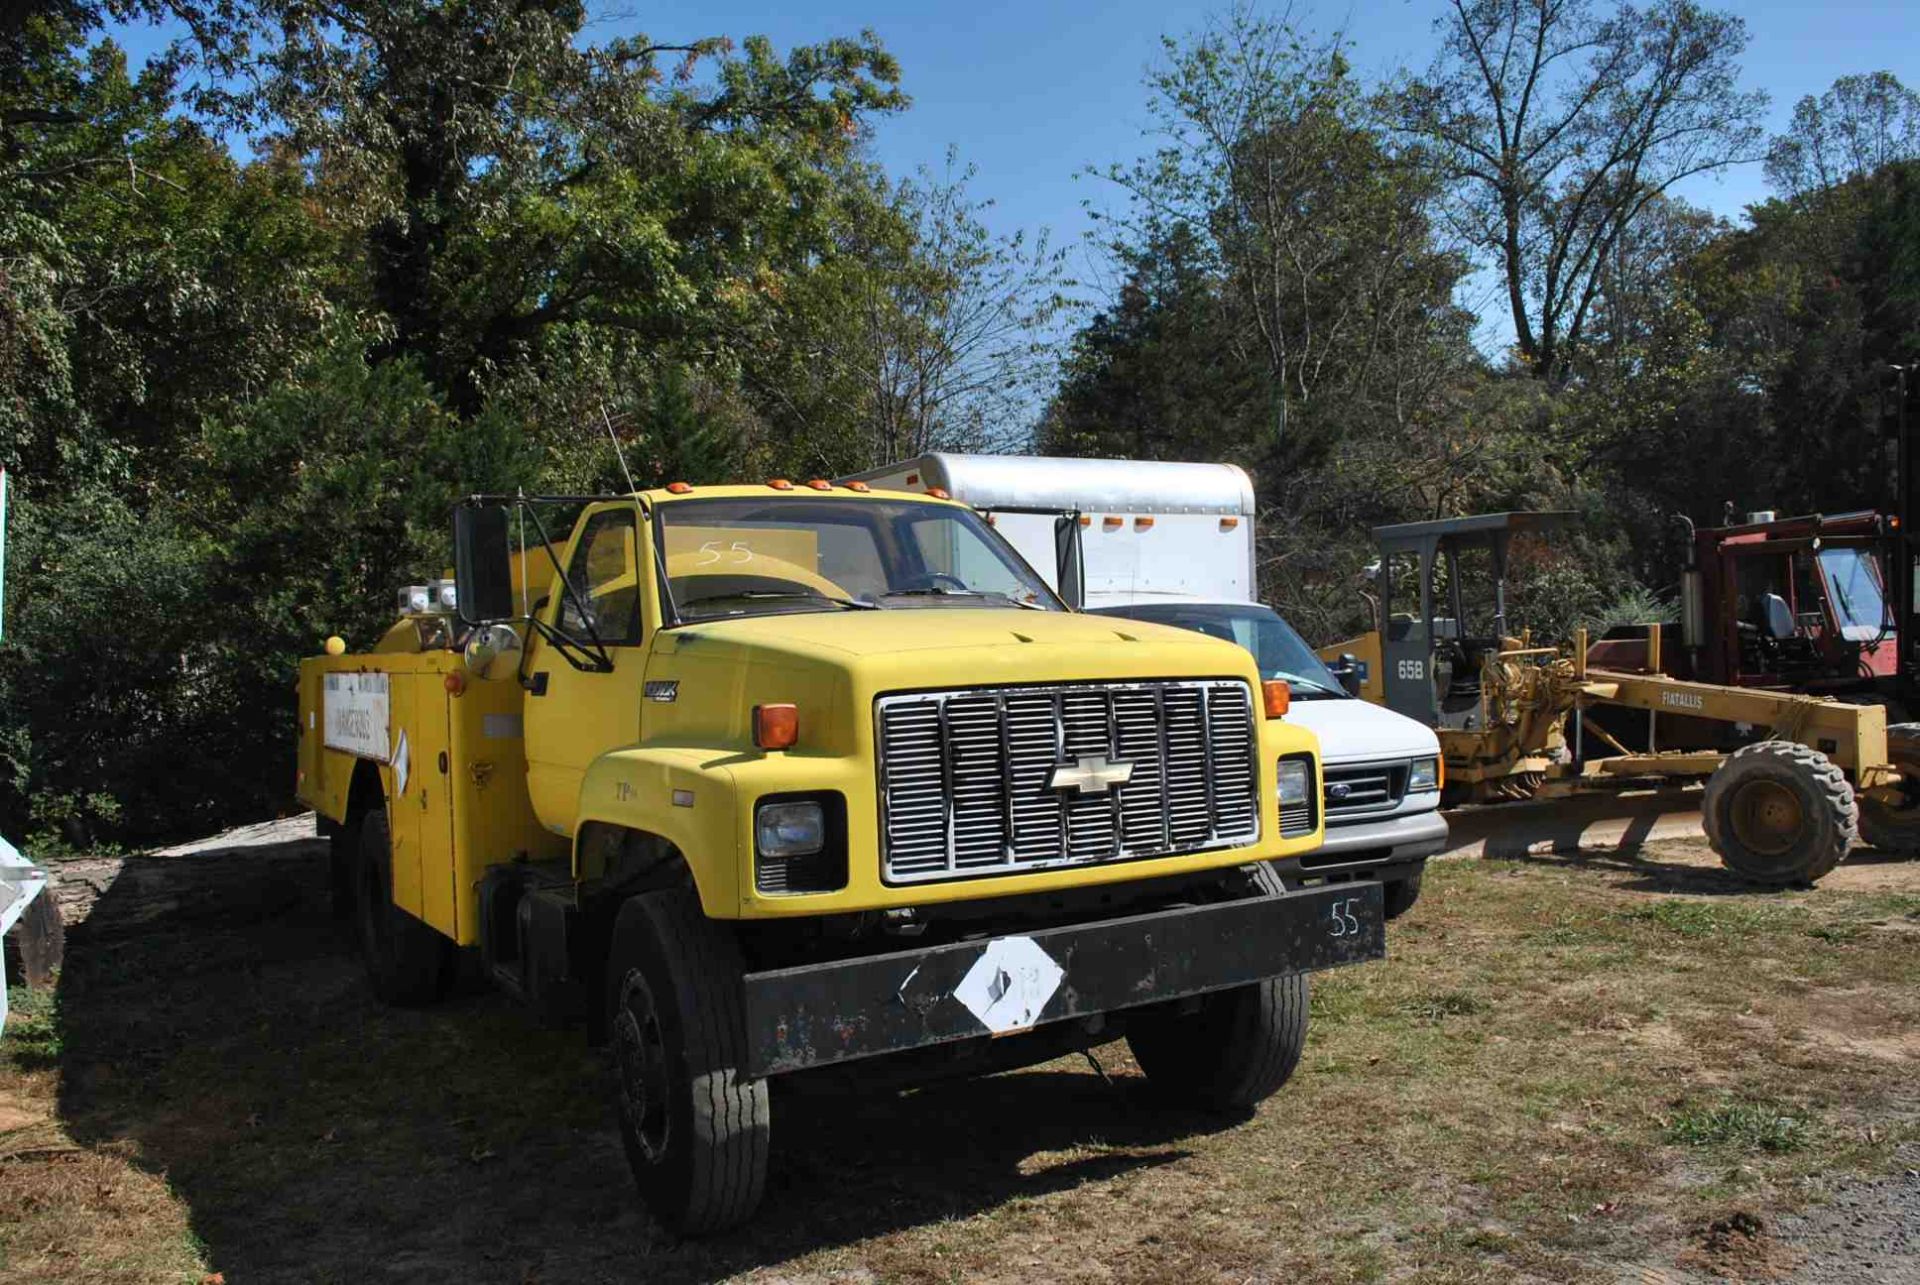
[1339, 790]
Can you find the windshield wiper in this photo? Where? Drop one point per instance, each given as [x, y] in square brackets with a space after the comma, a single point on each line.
[1312, 688]
[774, 595]
[941, 591]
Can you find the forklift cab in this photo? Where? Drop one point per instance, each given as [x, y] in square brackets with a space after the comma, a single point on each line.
[1443, 607]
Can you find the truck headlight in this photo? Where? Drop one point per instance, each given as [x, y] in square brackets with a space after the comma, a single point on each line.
[1296, 782]
[790, 829]
[1423, 776]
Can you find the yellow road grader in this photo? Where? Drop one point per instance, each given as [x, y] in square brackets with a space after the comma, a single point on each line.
[1789, 777]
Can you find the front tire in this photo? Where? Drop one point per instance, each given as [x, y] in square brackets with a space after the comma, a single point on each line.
[1237, 1048]
[1402, 893]
[1779, 813]
[408, 963]
[694, 1127]
[1894, 827]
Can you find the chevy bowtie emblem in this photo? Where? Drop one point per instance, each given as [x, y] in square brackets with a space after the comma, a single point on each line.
[1090, 774]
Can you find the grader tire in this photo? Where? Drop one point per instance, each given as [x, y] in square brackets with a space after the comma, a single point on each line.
[1896, 827]
[1780, 813]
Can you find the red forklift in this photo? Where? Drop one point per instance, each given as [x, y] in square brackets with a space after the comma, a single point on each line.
[1822, 604]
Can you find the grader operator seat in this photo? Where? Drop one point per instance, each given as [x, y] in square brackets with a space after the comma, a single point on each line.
[1443, 608]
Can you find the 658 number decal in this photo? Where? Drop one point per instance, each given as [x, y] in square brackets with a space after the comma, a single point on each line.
[1413, 669]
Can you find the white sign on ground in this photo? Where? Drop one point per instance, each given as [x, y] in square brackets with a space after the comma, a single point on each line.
[20, 882]
[355, 707]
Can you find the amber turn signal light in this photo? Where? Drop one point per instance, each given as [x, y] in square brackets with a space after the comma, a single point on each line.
[1278, 696]
[776, 727]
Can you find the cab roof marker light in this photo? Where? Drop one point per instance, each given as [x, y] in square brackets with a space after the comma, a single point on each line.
[779, 484]
[678, 488]
[1228, 524]
[938, 493]
[1112, 522]
[858, 486]
[820, 484]
[1143, 524]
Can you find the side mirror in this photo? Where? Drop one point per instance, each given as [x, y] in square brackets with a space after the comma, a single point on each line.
[1068, 564]
[482, 564]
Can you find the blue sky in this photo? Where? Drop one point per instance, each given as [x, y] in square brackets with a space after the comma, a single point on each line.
[1033, 93]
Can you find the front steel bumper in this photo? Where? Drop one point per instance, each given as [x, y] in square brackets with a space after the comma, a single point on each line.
[1392, 839]
[818, 1014]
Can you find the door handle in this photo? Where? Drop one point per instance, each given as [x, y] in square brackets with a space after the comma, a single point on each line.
[537, 685]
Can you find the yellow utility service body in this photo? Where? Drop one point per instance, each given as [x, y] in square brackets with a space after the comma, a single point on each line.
[591, 791]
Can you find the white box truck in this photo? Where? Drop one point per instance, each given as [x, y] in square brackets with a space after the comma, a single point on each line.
[1172, 543]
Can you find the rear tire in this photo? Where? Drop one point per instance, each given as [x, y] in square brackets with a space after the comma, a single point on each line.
[343, 857]
[1402, 893]
[1780, 813]
[1236, 1049]
[1896, 827]
[694, 1127]
[408, 963]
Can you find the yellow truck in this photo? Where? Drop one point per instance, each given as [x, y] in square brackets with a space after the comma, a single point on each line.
[773, 780]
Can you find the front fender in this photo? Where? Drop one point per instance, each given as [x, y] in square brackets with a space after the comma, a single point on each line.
[686, 796]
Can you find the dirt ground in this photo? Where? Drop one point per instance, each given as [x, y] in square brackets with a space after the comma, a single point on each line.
[1618, 1066]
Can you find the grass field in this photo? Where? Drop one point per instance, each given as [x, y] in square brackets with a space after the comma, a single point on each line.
[1565, 1071]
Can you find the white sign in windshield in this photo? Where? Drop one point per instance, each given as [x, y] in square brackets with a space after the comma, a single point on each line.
[356, 712]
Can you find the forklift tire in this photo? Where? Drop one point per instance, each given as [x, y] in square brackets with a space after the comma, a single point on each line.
[694, 1127]
[1236, 1049]
[1779, 813]
[1896, 827]
[408, 963]
[1402, 893]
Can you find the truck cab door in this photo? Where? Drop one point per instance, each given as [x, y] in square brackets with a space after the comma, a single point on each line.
[574, 714]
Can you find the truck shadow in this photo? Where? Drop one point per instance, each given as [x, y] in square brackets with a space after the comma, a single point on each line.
[215, 1029]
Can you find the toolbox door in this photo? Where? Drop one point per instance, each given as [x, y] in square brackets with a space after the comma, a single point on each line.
[432, 792]
[419, 803]
[403, 801]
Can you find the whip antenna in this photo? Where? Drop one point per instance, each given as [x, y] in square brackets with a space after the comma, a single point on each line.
[617, 452]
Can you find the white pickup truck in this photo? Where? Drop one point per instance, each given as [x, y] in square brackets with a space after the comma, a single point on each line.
[1173, 543]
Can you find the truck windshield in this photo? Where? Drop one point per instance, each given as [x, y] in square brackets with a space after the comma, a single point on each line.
[1853, 583]
[748, 557]
[1276, 648]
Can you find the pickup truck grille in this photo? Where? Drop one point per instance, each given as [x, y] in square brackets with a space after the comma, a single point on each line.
[1363, 789]
[968, 780]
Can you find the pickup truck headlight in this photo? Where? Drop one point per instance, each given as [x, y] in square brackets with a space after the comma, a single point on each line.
[1423, 776]
[790, 829]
